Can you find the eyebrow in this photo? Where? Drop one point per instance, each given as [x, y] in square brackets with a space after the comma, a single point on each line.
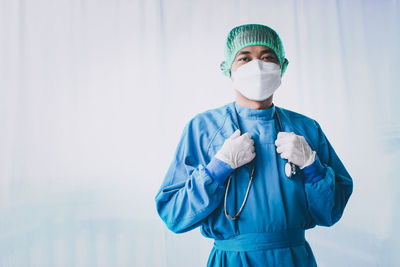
[262, 52]
[269, 50]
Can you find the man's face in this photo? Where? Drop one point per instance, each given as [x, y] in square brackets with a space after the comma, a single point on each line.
[249, 53]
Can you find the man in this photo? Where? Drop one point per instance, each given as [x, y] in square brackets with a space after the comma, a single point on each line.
[252, 175]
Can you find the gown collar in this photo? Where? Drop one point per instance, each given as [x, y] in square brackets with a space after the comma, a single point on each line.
[231, 122]
[255, 114]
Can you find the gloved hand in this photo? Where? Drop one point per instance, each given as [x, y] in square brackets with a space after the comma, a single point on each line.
[237, 150]
[295, 149]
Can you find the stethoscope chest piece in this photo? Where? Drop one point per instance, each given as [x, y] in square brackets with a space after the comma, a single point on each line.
[290, 169]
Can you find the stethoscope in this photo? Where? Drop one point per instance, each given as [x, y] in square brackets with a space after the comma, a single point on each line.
[290, 170]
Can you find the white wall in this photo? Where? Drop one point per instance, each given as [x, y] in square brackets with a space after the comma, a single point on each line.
[94, 96]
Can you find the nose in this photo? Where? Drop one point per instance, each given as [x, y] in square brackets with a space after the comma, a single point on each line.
[259, 62]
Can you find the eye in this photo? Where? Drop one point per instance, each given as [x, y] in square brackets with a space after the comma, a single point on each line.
[244, 59]
[269, 58]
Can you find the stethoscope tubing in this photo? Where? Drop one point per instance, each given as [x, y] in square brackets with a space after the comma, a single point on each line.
[293, 172]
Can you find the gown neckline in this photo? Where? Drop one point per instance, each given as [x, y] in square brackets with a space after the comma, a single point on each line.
[255, 114]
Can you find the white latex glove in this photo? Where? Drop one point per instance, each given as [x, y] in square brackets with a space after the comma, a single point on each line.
[295, 149]
[237, 150]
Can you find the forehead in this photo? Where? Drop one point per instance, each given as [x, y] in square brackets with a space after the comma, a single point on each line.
[254, 48]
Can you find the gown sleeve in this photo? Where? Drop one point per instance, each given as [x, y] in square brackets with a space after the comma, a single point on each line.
[188, 193]
[327, 195]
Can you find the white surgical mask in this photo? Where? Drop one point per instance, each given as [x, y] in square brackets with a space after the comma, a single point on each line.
[257, 80]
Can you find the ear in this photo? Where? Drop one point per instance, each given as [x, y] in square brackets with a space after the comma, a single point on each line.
[284, 66]
[225, 68]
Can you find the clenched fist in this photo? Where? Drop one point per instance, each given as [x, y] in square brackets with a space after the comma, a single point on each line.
[295, 149]
[237, 150]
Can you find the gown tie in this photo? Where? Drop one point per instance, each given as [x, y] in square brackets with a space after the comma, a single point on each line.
[260, 241]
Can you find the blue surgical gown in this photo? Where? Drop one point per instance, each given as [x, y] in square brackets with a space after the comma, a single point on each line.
[270, 229]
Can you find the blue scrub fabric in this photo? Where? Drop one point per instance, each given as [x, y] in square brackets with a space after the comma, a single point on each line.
[270, 229]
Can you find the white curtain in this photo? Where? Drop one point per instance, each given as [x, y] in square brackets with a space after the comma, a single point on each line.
[95, 94]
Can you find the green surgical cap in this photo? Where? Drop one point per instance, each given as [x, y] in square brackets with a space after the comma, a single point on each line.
[252, 34]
